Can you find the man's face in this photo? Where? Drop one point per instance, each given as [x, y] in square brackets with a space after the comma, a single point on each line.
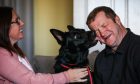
[106, 29]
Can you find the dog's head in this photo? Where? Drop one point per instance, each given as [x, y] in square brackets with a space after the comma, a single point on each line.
[75, 39]
[75, 45]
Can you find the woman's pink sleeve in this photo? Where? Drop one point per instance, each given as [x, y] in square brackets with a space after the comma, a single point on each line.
[11, 69]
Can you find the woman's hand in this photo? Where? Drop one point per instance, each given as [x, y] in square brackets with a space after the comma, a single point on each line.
[76, 75]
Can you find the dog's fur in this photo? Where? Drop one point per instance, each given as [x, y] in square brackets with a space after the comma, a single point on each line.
[74, 49]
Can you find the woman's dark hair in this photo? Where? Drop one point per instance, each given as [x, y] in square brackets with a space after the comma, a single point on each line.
[107, 10]
[5, 23]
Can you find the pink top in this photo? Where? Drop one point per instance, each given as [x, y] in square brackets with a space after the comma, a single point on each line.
[12, 71]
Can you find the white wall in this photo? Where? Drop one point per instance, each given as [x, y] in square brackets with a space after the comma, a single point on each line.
[127, 10]
[134, 15]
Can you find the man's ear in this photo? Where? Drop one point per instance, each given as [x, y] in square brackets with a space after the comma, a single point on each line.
[117, 20]
[58, 35]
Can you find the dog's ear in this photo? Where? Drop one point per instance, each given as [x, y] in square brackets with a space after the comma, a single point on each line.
[58, 35]
[70, 27]
[91, 38]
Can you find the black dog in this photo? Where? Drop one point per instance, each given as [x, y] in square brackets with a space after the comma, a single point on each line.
[74, 49]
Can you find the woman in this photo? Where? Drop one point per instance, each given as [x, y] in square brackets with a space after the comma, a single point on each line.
[14, 67]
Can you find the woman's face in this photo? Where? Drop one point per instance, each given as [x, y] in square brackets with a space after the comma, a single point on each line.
[16, 29]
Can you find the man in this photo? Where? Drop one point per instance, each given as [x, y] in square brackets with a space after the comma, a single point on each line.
[119, 62]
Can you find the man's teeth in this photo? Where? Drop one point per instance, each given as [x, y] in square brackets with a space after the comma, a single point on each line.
[107, 36]
[21, 30]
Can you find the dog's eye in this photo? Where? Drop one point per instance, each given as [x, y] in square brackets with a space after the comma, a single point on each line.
[77, 36]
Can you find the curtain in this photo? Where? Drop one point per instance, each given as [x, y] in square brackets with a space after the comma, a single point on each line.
[24, 8]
